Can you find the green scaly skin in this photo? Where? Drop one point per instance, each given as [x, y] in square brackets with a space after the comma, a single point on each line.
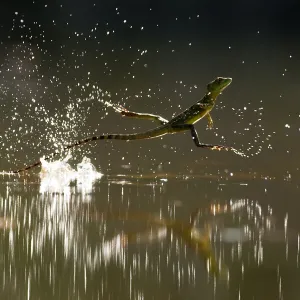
[183, 122]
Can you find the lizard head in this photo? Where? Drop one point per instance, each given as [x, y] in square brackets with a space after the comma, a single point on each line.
[218, 85]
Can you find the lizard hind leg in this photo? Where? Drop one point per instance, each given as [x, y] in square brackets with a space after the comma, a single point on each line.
[126, 113]
[213, 146]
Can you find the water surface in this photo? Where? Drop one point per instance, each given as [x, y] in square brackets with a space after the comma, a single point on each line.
[57, 245]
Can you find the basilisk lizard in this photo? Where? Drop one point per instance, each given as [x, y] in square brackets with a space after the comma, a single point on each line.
[183, 122]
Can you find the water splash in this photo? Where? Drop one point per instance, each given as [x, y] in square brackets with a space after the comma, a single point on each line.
[56, 176]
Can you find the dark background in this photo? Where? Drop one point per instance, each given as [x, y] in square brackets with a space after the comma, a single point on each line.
[84, 51]
[61, 61]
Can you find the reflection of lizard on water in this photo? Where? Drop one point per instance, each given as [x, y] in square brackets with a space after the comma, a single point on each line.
[195, 239]
[183, 122]
[235, 222]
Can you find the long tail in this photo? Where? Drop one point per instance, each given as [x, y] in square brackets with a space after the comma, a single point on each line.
[125, 137]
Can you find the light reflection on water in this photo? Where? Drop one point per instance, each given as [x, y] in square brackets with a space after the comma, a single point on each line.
[59, 245]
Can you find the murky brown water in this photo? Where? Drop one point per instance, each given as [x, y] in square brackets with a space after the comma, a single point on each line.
[59, 246]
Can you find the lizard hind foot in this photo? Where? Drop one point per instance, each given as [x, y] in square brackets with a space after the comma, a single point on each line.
[220, 147]
[119, 108]
[227, 148]
[240, 153]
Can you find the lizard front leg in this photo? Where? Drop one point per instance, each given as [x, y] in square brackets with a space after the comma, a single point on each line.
[210, 121]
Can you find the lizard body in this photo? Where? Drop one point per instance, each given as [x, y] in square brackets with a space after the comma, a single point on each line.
[182, 122]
